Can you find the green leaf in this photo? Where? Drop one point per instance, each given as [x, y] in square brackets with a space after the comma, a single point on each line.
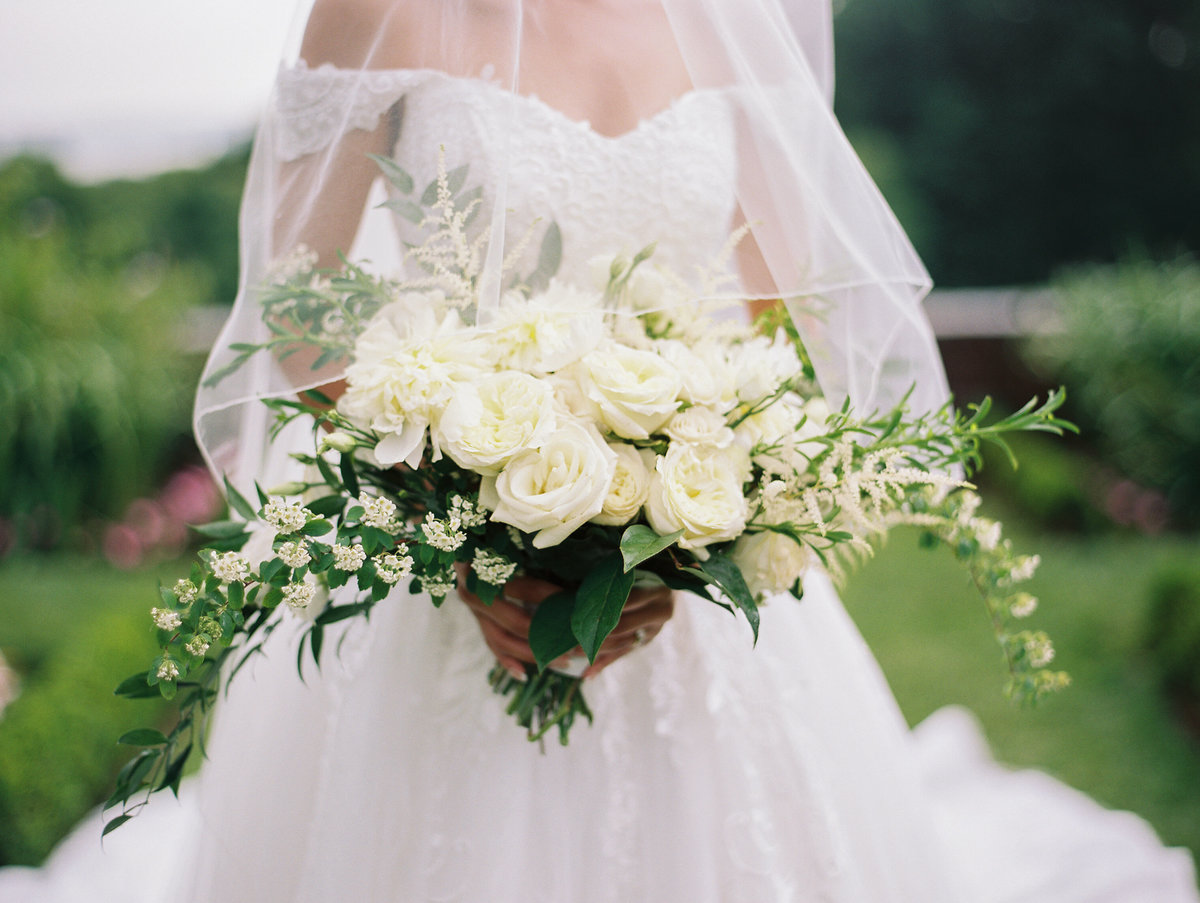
[143, 737]
[167, 689]
[222, 529]
[550, 633]
[728, 577]
[271, 569]
[328, 506]
[136, 687]
[549, 258]
[406, 209]
[236, 596]
[639, 543]
[394, 173]
[317, 527]
[175, 771]
[454, 181]
[114, 824]
[599, 602]
[238, 502]
[336, 613]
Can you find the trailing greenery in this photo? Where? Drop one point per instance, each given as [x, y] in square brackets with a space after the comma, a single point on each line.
[1130, 352]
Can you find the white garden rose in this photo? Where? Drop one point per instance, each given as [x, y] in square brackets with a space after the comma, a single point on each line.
[408, 365]
[634, 392]
[552, 490]
[549, 331]
[698, 489]
[699, 426]
[771, 562]
[630, 485]
[761, 365]
[497, 417]
[707, 377]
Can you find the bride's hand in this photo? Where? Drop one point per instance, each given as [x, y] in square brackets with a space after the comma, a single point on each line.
[505, 624]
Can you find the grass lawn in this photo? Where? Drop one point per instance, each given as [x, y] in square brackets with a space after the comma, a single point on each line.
[1111, 733]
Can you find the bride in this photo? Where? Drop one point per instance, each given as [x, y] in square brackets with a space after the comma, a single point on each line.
[714, 771]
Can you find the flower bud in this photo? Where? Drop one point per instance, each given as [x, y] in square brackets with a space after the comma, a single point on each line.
[339, 442]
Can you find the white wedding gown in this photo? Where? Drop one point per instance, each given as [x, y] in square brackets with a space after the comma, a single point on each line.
[714, 773]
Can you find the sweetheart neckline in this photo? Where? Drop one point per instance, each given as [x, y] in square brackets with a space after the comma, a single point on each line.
[533, 101]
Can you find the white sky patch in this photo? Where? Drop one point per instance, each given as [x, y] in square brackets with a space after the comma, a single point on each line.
[127, 83]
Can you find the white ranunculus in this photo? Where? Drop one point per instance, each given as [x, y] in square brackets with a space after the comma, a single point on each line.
[553, 490]
[630, 485]
[408, 365]
[707, 376]
[699, 426]
[761, 365]
[698, 489]
[549, 331]
[499, 416]
[634, 392]
[771, 562]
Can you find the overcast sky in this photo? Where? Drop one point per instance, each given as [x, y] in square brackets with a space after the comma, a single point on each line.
[121, 86]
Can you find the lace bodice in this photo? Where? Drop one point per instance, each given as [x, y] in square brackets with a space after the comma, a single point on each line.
[669, 180]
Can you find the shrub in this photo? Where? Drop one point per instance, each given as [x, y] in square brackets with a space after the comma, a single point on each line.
[1173, 634]
[1129, 353]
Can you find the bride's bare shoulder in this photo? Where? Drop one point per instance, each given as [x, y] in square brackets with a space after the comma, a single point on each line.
[376, 34]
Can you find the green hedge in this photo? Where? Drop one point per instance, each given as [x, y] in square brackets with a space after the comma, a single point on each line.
[58, 748]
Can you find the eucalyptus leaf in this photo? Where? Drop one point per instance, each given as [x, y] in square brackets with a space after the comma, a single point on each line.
[599, 602]
[550, 633]
[394, 173]
[406, 209]
[549, 259]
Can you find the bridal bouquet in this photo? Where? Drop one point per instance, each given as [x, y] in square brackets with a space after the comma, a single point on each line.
[598, 436]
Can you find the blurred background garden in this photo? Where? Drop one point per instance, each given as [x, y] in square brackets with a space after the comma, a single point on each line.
[1045, 159]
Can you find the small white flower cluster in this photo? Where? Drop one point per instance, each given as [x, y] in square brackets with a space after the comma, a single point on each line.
[492, 568]
[168, 670]
[285, 518]
[186, 592]
[299, 596]
[1023, 568]
[1022, 605]
[348, 558]
[438, 585]
[197, 646]
[230, 567]
[393, 568]
[379, 512]
[1039, 649]
[211, 628]
[294, 554]
[466, 512]
[443, 535]
[297, 262]
[165, 619]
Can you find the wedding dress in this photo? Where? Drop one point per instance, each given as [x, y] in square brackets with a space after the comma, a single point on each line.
[715, 772]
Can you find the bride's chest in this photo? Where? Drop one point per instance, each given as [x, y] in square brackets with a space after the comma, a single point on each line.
[670, 180]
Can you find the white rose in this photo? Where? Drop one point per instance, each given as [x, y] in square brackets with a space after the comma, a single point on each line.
[489, 422]
[407, 367]
[630, 485]
[634, 391]
[699, 490]
[549, 331]
[707, 376]
[552, 490]
[761, 366]
[771, 562]
[699, 426]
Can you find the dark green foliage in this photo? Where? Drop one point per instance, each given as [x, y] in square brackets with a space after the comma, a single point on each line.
[57, 754]
[1130, 352]
[1173, 631]
[94, 281]
[1014, 136]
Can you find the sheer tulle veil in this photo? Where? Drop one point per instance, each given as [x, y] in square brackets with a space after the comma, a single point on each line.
[822, 238]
